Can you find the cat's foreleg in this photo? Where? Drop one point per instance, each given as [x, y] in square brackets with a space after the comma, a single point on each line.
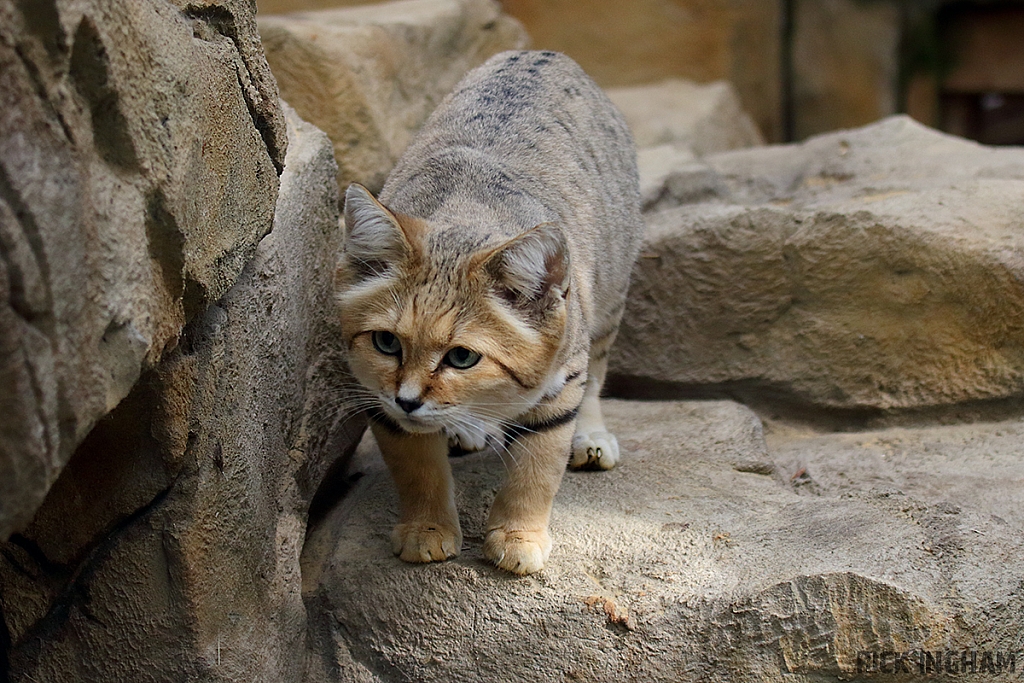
[593, 445]
[517, 529]
[428, 526]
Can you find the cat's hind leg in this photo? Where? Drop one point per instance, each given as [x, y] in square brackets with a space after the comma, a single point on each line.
[593, 446]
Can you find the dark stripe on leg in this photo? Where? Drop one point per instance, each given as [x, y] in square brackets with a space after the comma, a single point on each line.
[558, 392]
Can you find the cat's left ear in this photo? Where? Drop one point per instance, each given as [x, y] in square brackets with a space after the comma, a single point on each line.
[534, 266]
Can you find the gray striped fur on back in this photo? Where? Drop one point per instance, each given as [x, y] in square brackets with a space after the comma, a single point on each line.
[525, 139]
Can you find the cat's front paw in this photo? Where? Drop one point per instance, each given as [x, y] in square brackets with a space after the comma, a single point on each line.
[520, 552]
[424, 542]
[595, 450]
[467, 437]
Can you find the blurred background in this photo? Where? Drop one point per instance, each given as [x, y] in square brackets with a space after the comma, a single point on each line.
[801, 67]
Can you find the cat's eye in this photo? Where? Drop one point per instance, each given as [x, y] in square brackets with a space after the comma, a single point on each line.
[461, 358]
[386, 343]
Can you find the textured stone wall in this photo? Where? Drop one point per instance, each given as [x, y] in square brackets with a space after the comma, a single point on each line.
[845, 64]
[168, 548]
[140, 145]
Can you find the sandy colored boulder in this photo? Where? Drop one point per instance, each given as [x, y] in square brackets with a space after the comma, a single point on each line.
[873, 269]
[672, 175]
[169, 547]
[369, 76]
[705, 118]
[707, 554]
[140, 146]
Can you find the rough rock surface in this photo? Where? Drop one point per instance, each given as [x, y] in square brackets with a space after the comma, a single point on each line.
[139, 151]
[706, 555]
[671, 175]
[705, 118]
[873, 269]
[169, 547]
[370, 76]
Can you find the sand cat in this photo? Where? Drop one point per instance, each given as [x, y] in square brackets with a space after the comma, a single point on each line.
[480, 295]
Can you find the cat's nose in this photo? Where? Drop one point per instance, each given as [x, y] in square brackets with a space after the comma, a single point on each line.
[408, 405]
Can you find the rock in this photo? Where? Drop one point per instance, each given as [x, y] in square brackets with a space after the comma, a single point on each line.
[706, 118]
[169, 547]
[671, 175]
[370, 76]
[867, 270]
[706, 551]
[139, 154]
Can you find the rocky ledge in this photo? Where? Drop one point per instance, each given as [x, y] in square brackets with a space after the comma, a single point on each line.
[717, 550]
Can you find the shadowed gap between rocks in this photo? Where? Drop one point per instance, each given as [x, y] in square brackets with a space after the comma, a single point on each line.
[166, 245]
[336, 484]
[95, 501]
[318, 541]
[778, 401]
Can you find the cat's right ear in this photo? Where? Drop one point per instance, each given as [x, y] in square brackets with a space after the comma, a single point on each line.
[374, 239]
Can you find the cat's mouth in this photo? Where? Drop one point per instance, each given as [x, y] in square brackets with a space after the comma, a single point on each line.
[414, 424]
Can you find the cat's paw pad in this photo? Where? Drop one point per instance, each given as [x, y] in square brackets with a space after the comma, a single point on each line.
[423, 542]
[595, 450]
[520, 552]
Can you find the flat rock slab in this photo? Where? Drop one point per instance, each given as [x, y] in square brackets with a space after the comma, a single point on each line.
[704, 556]
[872, 270]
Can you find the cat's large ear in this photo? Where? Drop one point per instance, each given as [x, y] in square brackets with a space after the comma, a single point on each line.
[374, 239]
[534, 267]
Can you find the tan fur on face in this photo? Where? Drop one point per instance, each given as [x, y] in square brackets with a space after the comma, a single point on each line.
[433, 305]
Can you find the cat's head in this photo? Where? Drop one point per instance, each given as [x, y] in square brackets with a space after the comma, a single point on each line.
[445, 333]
